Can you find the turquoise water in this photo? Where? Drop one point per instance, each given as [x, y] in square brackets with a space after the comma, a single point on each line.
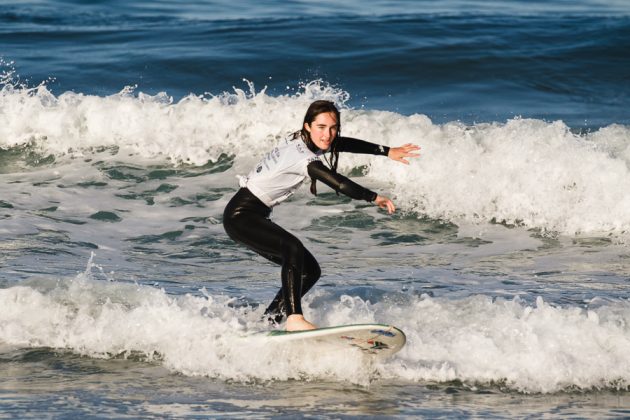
[123, 126]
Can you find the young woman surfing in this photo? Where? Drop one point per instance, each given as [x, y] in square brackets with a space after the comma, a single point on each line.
[275, 178]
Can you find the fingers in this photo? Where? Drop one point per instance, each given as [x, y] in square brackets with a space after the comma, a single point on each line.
[400, 153]
[386, 204]
[410, 146]
[409, 149]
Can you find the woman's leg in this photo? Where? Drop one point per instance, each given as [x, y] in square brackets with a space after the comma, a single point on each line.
[252, 228]
[310, 274]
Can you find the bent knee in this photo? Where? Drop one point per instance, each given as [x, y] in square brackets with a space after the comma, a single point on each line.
[314, 272]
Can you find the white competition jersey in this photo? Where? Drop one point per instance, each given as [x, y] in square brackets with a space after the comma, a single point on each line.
[281, 172]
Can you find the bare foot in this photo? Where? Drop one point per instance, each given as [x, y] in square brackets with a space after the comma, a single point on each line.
[297, 322]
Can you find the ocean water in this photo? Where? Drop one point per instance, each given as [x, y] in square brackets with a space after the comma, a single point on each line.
[123, 126]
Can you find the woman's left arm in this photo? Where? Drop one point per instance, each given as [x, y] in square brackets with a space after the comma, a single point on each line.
[352, 145]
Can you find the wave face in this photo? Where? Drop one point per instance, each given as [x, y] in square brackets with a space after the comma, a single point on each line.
[524, 172]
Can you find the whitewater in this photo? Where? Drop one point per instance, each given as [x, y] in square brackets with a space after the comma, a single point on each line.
[524, 172]
[123, 183]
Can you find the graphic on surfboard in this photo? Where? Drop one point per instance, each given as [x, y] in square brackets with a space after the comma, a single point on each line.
[374, 339]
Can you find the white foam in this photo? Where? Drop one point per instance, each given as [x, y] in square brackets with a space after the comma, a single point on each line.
[529, 172]
[539, 348]
[193, 335]
[194, 130]
[477, 340]
[525, 172]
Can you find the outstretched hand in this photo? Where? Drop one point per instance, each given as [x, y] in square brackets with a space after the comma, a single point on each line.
[385, 203]
[400, 153]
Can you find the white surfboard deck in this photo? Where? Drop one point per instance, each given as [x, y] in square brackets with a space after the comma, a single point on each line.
[374, 339]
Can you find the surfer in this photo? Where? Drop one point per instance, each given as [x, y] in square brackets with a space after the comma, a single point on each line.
[275, 178]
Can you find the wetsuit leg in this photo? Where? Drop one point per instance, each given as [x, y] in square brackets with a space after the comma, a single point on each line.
[310, 274]
[246, 220]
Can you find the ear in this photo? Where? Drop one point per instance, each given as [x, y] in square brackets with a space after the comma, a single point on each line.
[307, 127]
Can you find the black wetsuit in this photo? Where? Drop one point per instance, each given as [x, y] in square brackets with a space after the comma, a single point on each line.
[246, 220]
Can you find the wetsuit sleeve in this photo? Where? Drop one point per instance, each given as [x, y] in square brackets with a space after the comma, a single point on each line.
[349, 144]
[317, 170]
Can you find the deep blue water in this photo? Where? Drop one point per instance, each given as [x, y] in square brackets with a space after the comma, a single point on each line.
[468, 61]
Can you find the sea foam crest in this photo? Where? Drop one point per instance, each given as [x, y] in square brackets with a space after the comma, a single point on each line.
[524, 172]
[194, 130]
[477, 340]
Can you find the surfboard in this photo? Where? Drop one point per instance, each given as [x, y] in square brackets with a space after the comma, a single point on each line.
[374, 339]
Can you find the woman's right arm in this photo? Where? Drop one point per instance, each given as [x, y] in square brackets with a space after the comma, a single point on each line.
[337, 182]
[317, 170]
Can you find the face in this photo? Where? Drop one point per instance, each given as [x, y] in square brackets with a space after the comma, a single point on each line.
[323, 130]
